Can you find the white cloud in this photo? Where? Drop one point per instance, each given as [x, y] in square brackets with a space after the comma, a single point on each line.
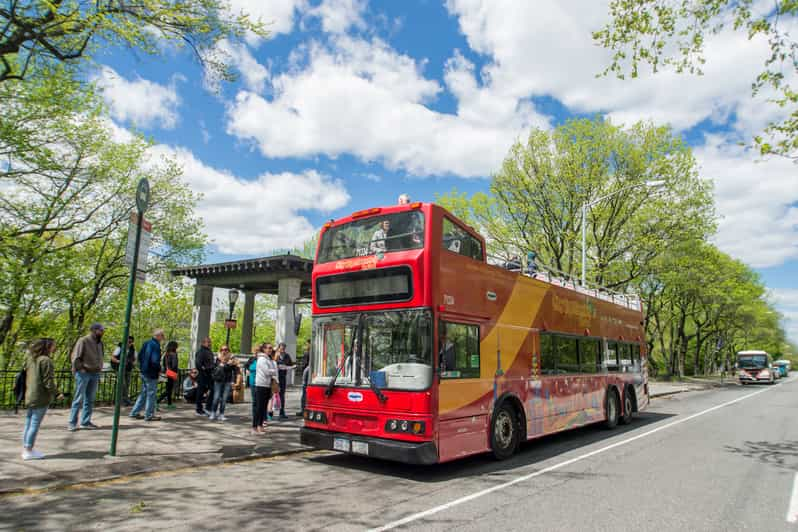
[256, 216]
[759, 224]
[337, 16]
[253, 74]
[362, 97]
[277, 15]
[786, 302]
[140, 101]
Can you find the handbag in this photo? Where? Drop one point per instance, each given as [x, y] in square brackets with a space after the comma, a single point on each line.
[275, 386]
[171, 374]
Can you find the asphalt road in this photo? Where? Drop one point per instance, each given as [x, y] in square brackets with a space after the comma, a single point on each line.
[724, 459]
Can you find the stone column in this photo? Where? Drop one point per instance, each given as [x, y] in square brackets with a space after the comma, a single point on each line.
[246, 326]
[287, 293]
[200, 318]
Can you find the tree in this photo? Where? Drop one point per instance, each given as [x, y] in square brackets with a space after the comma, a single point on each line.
[672, 34]
[42, 33]
[67, 191]
[537, 196]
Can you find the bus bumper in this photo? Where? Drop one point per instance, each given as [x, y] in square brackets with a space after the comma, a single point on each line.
[384, 449]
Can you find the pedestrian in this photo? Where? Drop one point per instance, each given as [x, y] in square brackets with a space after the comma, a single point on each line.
[130, 363]
[284, 362]
[169, 367]
[40, 390]
[190, 386]
[150, 368]
[223, 377]
[305, 377]
[87, 363]
[270, 354]
[251, 368]
[237, 389]
[204, 362]
[265, 373]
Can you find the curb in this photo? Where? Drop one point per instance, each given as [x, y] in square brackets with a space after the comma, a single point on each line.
[147, 471]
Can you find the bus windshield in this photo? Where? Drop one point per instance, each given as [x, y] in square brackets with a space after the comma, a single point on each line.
[371, 236]
[752, 361]
[392, 350]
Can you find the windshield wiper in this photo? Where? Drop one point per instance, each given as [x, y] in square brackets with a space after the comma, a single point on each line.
[381, 396]
[331, 385]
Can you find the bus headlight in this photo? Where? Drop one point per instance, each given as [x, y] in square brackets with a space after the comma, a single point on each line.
[406, 426]
[315, 416]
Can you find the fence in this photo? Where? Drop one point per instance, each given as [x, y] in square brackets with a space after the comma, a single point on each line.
[66, 385]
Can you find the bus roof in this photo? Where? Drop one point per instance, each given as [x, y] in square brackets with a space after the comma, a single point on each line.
[752, 352]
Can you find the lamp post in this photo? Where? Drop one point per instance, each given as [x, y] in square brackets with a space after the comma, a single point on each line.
[587, 204]
[232, 296]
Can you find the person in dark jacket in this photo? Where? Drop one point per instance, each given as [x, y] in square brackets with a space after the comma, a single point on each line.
[284, 362]
[204, 362]
[169, 365]
[40, 390]
[150, 367]
[224, 374]
[130, 363]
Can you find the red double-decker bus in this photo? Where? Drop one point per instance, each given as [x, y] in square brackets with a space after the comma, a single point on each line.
[424, 352]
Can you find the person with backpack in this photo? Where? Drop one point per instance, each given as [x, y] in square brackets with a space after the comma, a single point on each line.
[130, 363]
[150, 367]
[87, 363]
[224, 373]
[169, 368]
[40, 390]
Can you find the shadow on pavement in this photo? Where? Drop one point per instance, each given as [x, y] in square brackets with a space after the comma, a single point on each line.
[530, 453]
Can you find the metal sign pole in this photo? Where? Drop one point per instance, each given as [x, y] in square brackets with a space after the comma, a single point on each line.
[142, 201]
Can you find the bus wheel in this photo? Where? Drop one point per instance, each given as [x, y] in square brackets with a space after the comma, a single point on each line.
[612, 407]
[504, 433]
[628, 407]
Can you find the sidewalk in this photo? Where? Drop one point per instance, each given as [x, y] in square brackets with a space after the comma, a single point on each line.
[181, 439]
[660, 389]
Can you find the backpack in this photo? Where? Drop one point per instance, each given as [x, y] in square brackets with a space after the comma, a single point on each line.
[20, 387]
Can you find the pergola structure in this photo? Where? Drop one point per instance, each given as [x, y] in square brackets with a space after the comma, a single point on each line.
[288, 276]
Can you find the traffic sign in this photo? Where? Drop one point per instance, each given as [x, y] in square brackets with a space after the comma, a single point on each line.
[144, 244]
[229, 324]
[143, 195]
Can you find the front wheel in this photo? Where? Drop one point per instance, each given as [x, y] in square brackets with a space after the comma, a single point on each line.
[504, 433]
[611, 407]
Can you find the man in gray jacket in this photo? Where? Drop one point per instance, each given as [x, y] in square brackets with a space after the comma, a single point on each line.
[87, 363]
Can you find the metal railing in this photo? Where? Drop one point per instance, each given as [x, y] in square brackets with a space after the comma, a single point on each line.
[556, 277]
[65, 380]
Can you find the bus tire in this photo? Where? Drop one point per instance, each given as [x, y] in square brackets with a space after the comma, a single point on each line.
[628, 407]
[611, 407]
[504, 432]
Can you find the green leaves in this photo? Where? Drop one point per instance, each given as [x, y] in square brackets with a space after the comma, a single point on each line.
[661, 33]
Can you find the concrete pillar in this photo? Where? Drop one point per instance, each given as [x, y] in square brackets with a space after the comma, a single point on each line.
[287, 293]
[200, 318]
[246, 326]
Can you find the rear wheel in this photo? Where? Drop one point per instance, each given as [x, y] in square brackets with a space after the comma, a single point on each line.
[611, 407]
[628, 407]
[504, 433]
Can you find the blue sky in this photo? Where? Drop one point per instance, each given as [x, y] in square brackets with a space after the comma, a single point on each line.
[349, 103]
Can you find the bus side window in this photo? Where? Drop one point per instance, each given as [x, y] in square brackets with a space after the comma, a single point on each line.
[611, 357]
[636, 357]
[567, 358]
[589, 355]
[459, 350]
[547, 357]
[458, 240]
[625, 354]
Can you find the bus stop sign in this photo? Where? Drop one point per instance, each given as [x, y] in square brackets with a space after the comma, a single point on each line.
[143, 195]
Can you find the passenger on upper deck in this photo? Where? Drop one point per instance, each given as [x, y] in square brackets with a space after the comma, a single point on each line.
[404, 199]
[380, 237]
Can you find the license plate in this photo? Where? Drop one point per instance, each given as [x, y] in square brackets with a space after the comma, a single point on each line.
[341, 444]
[360, 447]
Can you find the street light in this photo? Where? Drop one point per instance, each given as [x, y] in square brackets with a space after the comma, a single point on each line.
[232, 296]
[587, 204]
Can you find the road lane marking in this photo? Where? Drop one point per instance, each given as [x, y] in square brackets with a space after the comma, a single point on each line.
[482, 493]
[792, 511]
